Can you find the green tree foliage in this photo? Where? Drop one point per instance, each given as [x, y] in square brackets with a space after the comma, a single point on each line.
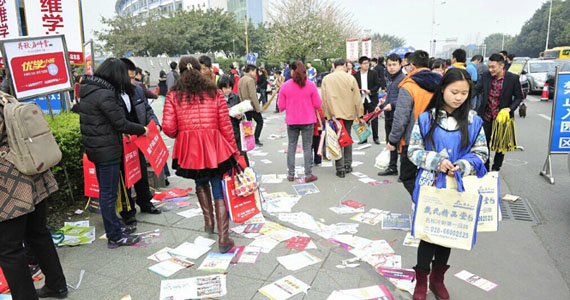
[305, 29]
[495, 41]
[382, 43]
[532, 38]
[183, 32]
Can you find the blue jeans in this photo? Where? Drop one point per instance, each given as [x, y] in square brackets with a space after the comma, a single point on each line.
[216, 183]
[475, 102]
[263, 96]
[108, 176]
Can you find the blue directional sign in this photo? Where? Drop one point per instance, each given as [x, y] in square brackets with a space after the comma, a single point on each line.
[251, 59]
[54, 99]
[561, 116]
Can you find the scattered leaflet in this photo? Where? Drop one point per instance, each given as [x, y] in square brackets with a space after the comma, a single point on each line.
[375, 292]
[284, 288]
[249, 255]
[77, 235]
[342, 210]
[265, 243]
[300, 219]
[282, 204]
[237, 251]
[202, 241]
[411, 241]
[297, 261]
[331, 230]
[298, 243]
[161, 255]
[259, 218]
[193, 212]
[216, 262]
[270, 178]
[169, 267]
[365, 146]
[353, 204]
[379, 247]
[306, 189]
[372, 217]
[397, 221]
[385, 261]
[211, 286]
[189, 251]
[475, 280]
[397, 273]
[253, 228]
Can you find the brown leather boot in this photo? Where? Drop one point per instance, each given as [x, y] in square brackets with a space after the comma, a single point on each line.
[205, 199]
[420, 292]
[225, 243]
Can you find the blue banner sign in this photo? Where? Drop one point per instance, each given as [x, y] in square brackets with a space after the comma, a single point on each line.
[561, 116]
[54, 100]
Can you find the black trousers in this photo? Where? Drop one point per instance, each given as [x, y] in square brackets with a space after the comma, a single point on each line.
[142, 188]
[316, 140]
[393, 154]
[368, 108]
[31, 229]
[499, 157]
[427, 252]
[408, 171]
[258, 122]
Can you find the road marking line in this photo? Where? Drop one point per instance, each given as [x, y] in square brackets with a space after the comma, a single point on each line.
[545, 116]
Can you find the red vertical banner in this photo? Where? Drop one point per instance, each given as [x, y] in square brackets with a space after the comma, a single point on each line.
[132, 162]
[90, 178]
[153, 148]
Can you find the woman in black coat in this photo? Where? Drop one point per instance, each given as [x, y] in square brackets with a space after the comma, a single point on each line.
[104, 98]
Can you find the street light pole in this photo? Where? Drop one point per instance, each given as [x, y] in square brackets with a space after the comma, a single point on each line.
[548, 28]
[503, 43]
[432, 29]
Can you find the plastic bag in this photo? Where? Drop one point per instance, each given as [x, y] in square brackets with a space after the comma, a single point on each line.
[383, 159]
[241, 108]
[333, 148]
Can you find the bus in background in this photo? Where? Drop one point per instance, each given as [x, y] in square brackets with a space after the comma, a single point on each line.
[556, 53]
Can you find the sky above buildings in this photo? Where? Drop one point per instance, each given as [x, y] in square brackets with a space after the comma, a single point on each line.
[468, 21]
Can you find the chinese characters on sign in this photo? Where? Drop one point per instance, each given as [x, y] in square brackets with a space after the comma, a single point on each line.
[352, 49]
[51, 17]
[8, 19]
[38, 66]
[367, 47]
[561, 120]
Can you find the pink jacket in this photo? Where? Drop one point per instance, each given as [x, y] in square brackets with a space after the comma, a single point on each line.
[299, 102]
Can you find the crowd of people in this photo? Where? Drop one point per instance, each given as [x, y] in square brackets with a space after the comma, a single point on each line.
[437, 114]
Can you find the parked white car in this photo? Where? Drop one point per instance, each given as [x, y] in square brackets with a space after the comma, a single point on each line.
[536, 71]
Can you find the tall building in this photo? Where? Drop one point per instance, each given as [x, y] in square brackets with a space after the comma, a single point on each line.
[253, 9]
[136, 7]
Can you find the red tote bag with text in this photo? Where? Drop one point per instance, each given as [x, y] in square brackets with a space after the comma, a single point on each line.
[90, 178]
[132, 162]
[153, 148]
[344, 138]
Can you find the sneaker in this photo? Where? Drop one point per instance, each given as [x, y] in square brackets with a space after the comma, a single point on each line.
[46, 292]
[311, 178]
[128, 229]
[125, 240]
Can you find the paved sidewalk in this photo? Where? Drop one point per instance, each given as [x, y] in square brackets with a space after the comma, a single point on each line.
[513, 258]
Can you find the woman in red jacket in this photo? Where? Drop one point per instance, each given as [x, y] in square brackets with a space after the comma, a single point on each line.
[196, 115]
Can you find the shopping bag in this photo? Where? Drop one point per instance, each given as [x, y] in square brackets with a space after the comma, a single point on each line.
[153, 148]
[132, 162]
[246, 136]
[362, 131]
[240, 209]
[321, 144]
[90, 182]
[447, 217]
[245, 181]
[488, 188]
[344, 138]
[333, 148]
[3, 283]
[383, 159]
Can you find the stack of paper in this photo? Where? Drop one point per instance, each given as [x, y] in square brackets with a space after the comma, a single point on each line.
[284, 288]
[212, 286]
[297, 261]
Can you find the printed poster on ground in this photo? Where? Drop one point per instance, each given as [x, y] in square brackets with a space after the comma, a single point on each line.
[54, 17]
[39, 65]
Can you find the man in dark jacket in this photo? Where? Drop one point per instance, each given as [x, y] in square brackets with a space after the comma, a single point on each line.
[498, 90]
[394, 65]
[378, 66]
[141, 114]
[416, 91]
[369, 84]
